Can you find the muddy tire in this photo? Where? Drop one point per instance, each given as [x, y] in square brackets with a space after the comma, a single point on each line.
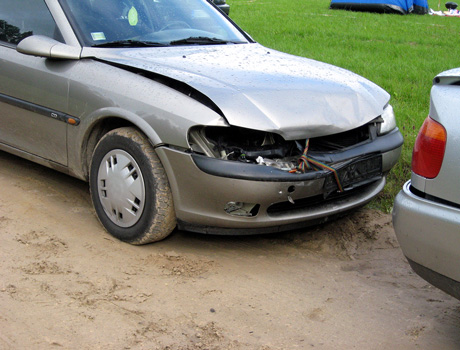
[129, 188]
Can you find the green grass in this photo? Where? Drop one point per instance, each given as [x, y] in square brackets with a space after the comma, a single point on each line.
[402, 54]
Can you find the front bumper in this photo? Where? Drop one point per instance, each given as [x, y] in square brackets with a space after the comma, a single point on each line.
[429, 235]
[201, 193]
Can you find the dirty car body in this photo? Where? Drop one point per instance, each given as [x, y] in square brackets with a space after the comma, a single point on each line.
[426, 212]
[176, 116]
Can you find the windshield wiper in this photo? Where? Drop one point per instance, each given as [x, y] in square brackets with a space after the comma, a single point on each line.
[130, 43]
[202, 40]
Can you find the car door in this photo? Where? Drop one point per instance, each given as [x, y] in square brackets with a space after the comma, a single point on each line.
[33, 90]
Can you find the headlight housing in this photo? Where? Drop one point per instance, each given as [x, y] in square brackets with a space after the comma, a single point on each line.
[389, 120]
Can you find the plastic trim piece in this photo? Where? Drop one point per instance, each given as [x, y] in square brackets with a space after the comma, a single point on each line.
[47, 112]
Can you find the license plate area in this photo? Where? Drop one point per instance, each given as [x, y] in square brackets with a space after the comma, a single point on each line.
[355, 173]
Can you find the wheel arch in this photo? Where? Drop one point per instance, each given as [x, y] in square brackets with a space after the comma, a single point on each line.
[101, 126]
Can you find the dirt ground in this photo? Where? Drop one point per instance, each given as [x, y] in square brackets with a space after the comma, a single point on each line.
[65, 283]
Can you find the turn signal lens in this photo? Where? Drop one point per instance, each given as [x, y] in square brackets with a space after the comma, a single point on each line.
[429, 149]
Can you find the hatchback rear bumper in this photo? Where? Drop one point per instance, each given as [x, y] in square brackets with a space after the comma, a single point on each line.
[429, 235]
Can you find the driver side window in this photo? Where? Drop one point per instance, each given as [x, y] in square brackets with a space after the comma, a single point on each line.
[20, 19]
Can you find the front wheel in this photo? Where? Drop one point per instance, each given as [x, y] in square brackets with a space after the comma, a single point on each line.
[130, 189]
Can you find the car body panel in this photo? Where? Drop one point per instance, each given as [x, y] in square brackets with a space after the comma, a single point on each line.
[145, 103]
[259, 88]
[428, 232]
[91, 100]
[443, 97]
[24, 123]
[426, 213]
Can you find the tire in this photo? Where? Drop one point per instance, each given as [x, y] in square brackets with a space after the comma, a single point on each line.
[129, 188]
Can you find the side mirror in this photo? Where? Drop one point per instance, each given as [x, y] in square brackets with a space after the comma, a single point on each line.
[43, 46]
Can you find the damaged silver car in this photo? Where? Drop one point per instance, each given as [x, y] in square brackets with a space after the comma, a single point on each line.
[177, 118]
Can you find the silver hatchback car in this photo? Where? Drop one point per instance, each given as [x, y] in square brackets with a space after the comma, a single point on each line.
[177, 118]
[426, 213]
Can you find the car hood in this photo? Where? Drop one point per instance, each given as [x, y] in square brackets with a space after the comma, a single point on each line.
[263, 89]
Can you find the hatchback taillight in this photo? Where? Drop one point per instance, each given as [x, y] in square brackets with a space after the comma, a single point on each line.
[429, 149]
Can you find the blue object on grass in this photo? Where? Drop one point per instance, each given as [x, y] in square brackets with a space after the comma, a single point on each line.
[383, 6]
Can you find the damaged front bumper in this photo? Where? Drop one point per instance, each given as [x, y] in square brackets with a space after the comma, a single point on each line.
[218, 196]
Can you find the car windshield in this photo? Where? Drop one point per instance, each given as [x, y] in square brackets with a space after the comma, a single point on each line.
[123, 23]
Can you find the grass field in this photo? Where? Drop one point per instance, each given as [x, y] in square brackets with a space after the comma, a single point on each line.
[402, 54]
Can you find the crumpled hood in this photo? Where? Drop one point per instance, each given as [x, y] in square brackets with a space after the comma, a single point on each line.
[260, 88]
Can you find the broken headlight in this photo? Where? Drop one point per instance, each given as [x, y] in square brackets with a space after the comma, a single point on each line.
[245, 145]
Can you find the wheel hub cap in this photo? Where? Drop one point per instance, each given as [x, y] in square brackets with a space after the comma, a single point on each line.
[121, 188]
